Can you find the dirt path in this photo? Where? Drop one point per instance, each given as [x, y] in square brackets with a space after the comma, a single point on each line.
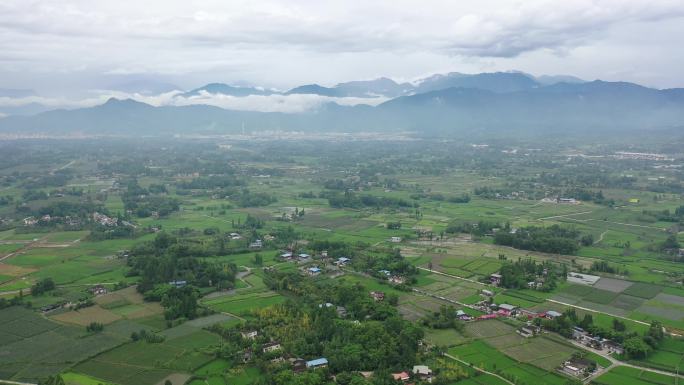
[477, 368]
[452, 276]
[567, 215]
[600, 238]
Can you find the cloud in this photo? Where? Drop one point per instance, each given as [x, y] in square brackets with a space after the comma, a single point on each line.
[284, 40]
[263, 103]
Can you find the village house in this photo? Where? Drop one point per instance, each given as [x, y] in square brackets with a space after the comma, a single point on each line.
[401, 376]
[250, 334]
[247, 355]
[30, 221]
[105, 220]
[286, 255]
[614, 347]
[235, 236]
[395, 239]
[552, 314]
[495, 279]
[463, 316]
[528, 331]
[397, 280]
[315, 270]
[507, 310]
[423, 372]
[386, 273]
[257, 244]
[377, 295]
[298, 365]
[98, 290]
[271, 347]
[578, 333]
[488, 293]
[341, 311]
[342, 261]
[178, 283]
[578, 367]
[317, 363]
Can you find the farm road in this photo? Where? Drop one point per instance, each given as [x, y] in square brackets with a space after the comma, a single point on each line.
[477, 368]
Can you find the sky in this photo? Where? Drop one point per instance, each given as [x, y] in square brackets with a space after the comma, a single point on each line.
[78, 51]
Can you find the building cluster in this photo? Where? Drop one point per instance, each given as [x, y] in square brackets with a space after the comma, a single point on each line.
[595, 342]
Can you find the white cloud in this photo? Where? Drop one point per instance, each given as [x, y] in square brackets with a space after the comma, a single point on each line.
[283, 43]
[271, 103]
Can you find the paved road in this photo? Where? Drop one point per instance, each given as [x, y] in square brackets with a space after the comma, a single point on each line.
[597, 311]
[16, 382]
[617, 362]
[567, 215]
[476, 368]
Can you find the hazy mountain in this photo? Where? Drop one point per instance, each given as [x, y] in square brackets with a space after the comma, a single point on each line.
[561, 109]
[547, 80]
[360, 89]
[314, 89]
[377, 87]
[495, 82]
[225, 89]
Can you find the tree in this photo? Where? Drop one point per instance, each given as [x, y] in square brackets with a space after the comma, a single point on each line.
[168, 382]
[635, 347]
[258, 259]
[618, 325]
[94, 327]
[587, 321]
[43, 286]
[671, 243]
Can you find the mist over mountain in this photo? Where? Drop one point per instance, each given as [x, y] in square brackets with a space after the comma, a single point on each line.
[444, 105]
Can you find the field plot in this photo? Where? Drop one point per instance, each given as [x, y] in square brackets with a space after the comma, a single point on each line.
[87, 315]
[488, 329]
[611, 284]
[643, 290]
[34, 347]
[108, 308]
[242, 304]
[482, 355]
[622, 375]
[129, 363]
[444, 337]
[128, 303]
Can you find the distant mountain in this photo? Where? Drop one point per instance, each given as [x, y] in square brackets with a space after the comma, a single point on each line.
[314, 89]
[377, 87]
[561, 109]
[225, 89]
[495, 82]
[547, 80]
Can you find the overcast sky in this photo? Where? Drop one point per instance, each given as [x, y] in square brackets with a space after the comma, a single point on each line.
[66, 47]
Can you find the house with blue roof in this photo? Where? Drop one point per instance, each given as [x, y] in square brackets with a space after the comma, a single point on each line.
[317, 363]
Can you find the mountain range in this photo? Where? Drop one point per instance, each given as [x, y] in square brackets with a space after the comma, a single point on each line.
[443, 105]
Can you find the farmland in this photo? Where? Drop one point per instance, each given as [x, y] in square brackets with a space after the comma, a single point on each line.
[193, 226]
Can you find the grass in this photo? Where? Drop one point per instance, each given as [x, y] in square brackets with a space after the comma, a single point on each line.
[72, 378]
